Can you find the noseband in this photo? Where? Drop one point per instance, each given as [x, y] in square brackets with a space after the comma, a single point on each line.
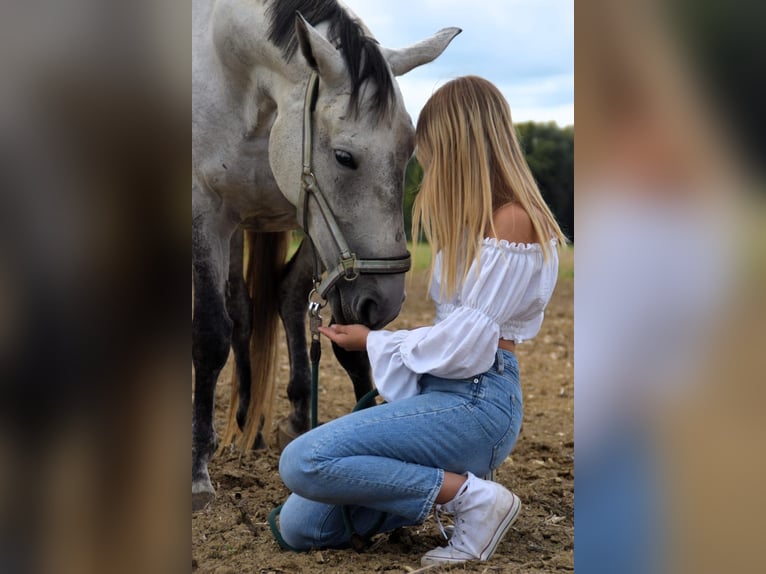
[349, 265]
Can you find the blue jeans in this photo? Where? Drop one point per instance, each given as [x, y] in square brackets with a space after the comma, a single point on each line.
[391, 458]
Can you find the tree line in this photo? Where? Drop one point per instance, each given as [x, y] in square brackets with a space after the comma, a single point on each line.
[549, 151]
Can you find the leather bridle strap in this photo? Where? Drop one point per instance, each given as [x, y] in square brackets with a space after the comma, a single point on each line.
[349, 266]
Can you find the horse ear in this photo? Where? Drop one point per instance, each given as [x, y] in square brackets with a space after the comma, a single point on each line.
[319, 53]
[405, 59]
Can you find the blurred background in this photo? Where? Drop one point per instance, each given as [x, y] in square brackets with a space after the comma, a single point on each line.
[94, 248]
[669, 206]
[94, 251]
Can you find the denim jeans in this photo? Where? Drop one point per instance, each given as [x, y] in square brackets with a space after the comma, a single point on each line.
[391, 458]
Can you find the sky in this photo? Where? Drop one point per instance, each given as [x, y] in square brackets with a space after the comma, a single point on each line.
[525, 47]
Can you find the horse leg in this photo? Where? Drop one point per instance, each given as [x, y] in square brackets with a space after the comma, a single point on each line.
[211, 338]
[294, 289]
[293, 305]
[240, 309]
[357, 365]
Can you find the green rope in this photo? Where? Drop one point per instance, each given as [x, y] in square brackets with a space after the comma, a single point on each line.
[275, 530]
[358, 541]
[316, 354]
[368, 400]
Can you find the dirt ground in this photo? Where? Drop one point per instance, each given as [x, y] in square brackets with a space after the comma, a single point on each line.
[231, 536]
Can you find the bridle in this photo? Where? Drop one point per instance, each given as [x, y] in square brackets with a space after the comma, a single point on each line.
[349, 266]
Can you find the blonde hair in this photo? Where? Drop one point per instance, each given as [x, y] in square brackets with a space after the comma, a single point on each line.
[472, 165]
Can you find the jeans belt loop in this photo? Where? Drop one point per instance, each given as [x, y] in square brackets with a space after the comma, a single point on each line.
[500, 361]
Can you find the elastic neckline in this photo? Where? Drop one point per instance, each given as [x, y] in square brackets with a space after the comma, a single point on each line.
[513, 246]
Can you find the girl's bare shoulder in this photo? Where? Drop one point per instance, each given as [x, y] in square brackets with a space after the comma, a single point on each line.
[513, 224]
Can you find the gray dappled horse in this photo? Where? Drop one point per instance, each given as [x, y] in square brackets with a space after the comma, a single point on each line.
[294, 125]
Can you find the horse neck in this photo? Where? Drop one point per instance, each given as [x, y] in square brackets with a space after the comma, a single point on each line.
[249, 60]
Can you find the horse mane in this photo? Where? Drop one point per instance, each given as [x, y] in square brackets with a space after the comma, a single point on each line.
[361, 53]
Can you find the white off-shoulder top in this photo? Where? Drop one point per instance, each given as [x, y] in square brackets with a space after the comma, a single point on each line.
[505, 299]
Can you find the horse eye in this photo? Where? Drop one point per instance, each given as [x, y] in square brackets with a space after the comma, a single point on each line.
[345, 159]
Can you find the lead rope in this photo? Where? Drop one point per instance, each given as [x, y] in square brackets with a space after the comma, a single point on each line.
[349, 269]
[315, 354]
[358, 541]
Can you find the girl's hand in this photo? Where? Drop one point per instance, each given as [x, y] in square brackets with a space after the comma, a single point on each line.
[350, 337]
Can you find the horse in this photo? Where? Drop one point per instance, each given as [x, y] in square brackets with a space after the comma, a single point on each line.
[297, 123]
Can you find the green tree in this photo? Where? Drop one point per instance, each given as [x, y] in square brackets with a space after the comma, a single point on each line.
[549, 151]
[412, 179]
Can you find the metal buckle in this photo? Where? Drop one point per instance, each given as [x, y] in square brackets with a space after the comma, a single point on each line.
[316, 304]
[309, 180]
[348, 264]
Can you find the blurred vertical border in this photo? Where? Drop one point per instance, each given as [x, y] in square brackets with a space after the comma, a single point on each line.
[94, 251]
[669, 206]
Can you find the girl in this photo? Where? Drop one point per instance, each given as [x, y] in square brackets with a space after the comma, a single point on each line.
[454, 403]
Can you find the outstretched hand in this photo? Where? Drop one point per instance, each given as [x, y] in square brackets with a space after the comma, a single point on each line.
[350, 337]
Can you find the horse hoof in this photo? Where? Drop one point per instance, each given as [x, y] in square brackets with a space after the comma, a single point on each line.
[260, 443]
[286, 433]
[200, 500]
[203, 494]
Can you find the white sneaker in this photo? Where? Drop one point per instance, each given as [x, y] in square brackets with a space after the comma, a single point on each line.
[484, 511]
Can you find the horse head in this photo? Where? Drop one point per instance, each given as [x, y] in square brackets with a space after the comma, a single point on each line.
[346, 181]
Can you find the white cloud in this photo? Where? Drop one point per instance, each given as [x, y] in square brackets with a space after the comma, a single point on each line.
[539, 101]
[524, 46]
[416, 92]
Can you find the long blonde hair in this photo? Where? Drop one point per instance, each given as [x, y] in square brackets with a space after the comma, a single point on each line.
[472, 165]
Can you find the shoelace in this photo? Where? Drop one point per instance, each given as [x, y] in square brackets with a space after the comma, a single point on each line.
[437, 512]
[444, 529]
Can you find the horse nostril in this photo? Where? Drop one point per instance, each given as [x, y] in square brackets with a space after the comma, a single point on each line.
[368, 312]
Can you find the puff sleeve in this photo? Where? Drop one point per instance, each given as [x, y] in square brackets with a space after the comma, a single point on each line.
[464, 343]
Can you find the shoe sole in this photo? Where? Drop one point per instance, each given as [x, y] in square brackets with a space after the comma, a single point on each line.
[508, 520]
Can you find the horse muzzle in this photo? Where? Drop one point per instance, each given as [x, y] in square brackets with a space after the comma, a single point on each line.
[371, 300]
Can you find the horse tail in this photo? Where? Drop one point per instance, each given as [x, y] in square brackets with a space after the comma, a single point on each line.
[264, 261]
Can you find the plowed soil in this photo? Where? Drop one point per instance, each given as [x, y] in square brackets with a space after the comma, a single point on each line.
[231, 536]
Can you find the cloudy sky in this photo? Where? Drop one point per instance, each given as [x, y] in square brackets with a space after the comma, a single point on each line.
[524, 46]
